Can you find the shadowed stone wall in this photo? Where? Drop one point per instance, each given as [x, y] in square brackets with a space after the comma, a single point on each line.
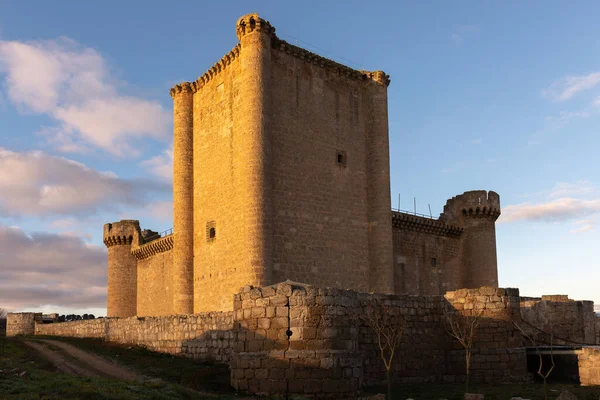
[559, 317]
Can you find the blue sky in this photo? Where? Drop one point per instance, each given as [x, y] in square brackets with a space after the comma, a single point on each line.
[503, 96]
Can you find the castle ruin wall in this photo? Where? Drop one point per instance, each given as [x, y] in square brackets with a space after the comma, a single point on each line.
[308, 339]
[559, 319]
[155, 284]
[22, 323]
[206, 336]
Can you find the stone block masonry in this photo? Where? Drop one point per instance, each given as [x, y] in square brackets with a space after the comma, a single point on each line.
[22, 323]
[311, 337]
[589, 366]
[302, 339]
[206, 336]
[560, 319]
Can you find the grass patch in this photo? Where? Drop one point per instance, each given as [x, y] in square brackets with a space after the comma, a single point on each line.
[533, 391]
[42, 381]
[193, 374]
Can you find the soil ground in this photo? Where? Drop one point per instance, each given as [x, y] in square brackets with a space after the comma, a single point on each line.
[69, 359]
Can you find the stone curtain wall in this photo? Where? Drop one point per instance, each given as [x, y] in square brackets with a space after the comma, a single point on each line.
[589, 366]
[330, 351]
[499, 355]
[206, 336]
[22, 323]
[418, 241]
[320, 355]
[561, 317]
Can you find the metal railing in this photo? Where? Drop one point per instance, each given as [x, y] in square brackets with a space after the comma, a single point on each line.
[414, 213]
[166, 233]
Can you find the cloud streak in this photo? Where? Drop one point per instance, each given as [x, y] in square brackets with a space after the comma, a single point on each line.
[45, 268]
[38, 184]
[567, 87]
[561, 209]
[73, 85]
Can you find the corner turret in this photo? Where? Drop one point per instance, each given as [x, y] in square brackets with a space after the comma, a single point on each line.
[476, 212]
[119, 237]
[252, 22]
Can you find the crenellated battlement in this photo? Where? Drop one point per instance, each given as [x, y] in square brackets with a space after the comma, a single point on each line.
[182, 87]
[473, 204]
[415, 223]
[250, 23]
[216, 69]
[154, 247]
[379, 77]
[124, 232]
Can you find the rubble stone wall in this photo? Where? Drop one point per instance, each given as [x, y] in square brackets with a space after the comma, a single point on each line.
[206, 336]
[559, 318]
[316, 339]
[22, 323]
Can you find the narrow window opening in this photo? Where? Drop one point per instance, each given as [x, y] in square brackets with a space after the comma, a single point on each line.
[211, 231]
[433, 262]
[341, 158]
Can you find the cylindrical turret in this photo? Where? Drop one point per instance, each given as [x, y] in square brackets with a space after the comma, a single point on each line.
[476, 212]
[122, 267]
[378, 191]
[255, 36]
[183, 199]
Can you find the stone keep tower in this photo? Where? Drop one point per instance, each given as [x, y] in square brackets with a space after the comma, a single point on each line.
[281, 171]
[476, 212]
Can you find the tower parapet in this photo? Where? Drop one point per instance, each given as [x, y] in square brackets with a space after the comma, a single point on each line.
[252, 22]
[476, 212]
[119, 237]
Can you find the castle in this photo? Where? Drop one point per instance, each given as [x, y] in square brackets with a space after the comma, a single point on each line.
[281, 176]
[281, 172]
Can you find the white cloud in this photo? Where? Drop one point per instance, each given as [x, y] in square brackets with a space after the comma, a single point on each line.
[73, 85]
[35, 183]
[567, 87]
[44, 268]
[583, 225]
[564, 189]
[161, 165]
[561, 209]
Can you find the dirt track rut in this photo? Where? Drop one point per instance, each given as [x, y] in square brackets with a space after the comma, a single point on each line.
[71, 360]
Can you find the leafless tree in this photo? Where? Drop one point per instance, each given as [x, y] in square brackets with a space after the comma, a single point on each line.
[389, 327]
[535, 343]
[463, 328]
[3, 313]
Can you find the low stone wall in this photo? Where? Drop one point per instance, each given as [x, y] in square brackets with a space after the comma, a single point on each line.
[206, 336]
[22, 323]
[315, 339]
[589, 366]
[567, 321]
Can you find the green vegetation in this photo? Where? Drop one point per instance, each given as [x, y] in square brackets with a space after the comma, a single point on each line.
[40, 380]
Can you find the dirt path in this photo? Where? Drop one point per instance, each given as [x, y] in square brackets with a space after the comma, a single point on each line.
[71, 360]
